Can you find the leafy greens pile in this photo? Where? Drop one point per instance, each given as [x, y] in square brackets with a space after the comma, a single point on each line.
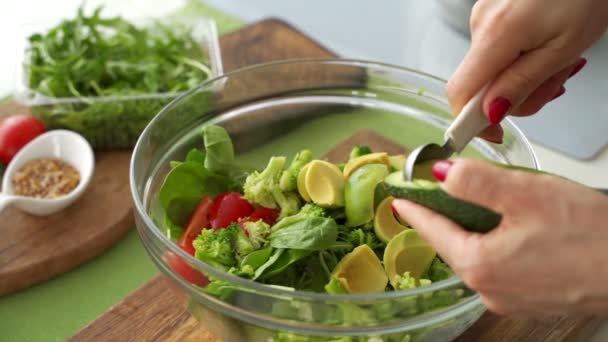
[93, 56]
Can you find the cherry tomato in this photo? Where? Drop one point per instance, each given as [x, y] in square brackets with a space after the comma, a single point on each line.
[195, 225]
[268, 215]
[182, 268]
[15, 132]
[227, 208]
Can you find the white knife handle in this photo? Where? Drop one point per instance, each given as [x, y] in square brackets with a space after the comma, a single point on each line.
[468, 124]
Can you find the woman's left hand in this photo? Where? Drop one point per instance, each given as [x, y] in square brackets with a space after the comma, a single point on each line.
[548, 255]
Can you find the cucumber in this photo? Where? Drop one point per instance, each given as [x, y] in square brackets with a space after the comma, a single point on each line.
[429, 194]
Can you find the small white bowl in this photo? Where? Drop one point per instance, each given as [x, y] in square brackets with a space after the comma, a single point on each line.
[63, 145]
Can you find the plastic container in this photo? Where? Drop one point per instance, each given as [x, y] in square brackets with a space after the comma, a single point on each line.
[109, 121]
[278, 109]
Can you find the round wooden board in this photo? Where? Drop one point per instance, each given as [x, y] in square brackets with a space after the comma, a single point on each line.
[34, 249]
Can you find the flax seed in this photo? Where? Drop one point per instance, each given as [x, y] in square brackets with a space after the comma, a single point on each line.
[45, 178]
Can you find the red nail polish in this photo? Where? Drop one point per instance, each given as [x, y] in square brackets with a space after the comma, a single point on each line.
[559, 93]
[441, 168]
[578, 66]
[498, 110]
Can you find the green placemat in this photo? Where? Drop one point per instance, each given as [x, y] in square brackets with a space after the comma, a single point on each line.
[56, 309]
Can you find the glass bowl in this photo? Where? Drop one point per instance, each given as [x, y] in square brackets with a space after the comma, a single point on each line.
[278, 109]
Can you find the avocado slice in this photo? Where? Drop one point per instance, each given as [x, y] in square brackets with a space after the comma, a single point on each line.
[360, 271]
[301, 183]
[386, 225]
[360, 191]
[407, 252]
[324, 184]
[396, 162]
[429, 194]
[372, 158]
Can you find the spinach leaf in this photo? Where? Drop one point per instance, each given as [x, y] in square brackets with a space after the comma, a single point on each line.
[195, 155]
[220, 152]
[184, 187]
[312, 234]
[257, 258]
[276, 254]
[219, 157]
[286, 258]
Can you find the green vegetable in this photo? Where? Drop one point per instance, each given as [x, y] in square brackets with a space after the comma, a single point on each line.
[307, 211]
[280, 260]
[257, 258]
[360, 237]
[313, 234]
[194, 155]
[406, 281]
[222, 247]
[358, 151]
[219, 157]
[334, 287]
[438, 271]
[289, 178]
[359, 193]
[184, 187]
[429, 194]
[263, 188]
[258, 232]
[91, 56]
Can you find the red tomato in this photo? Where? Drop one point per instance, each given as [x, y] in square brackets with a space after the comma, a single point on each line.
[15, 132]
[268, 215]
[195, 225]
[227, 208]
[182, 268]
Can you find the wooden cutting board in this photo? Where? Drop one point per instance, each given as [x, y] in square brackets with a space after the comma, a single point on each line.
[157, 312]
[34, 249]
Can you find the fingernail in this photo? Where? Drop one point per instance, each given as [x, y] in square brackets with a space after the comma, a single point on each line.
[496, 140]
[559, 93]
[498, 110]
[441, 168]
[578, 66]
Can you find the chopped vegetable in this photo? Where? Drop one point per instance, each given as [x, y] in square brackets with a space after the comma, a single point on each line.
[289, 178]
[406, 281]
[196, 224]
[228, 208]
[359, 151]
[222, 247]
[263, 188]
[257, 232]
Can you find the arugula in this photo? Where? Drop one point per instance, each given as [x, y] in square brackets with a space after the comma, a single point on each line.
[93, 58]
[312, 234]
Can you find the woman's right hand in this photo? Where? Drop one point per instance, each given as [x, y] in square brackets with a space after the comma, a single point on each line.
[525, 50]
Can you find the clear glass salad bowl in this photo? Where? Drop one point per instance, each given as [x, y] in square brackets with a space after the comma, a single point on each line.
[278, 109]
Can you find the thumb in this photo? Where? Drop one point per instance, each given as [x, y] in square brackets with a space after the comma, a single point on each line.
[484, 184]
[447, 238]
[519, 80]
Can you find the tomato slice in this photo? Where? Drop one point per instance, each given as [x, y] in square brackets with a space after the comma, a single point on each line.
[182, 268]
[195, 225]
[228, 208]
[268, 215]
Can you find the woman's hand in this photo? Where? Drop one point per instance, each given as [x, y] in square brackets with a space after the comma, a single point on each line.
[527, 50]
[549, 255]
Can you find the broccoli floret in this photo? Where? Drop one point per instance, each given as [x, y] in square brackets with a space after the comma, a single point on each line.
[222, 248]
[263, 188]
[289, 178]
[438, 271]
[215, 247]
[360, 237]
[359, 151]
[258, 233]
[308, 211]
[406, 281]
